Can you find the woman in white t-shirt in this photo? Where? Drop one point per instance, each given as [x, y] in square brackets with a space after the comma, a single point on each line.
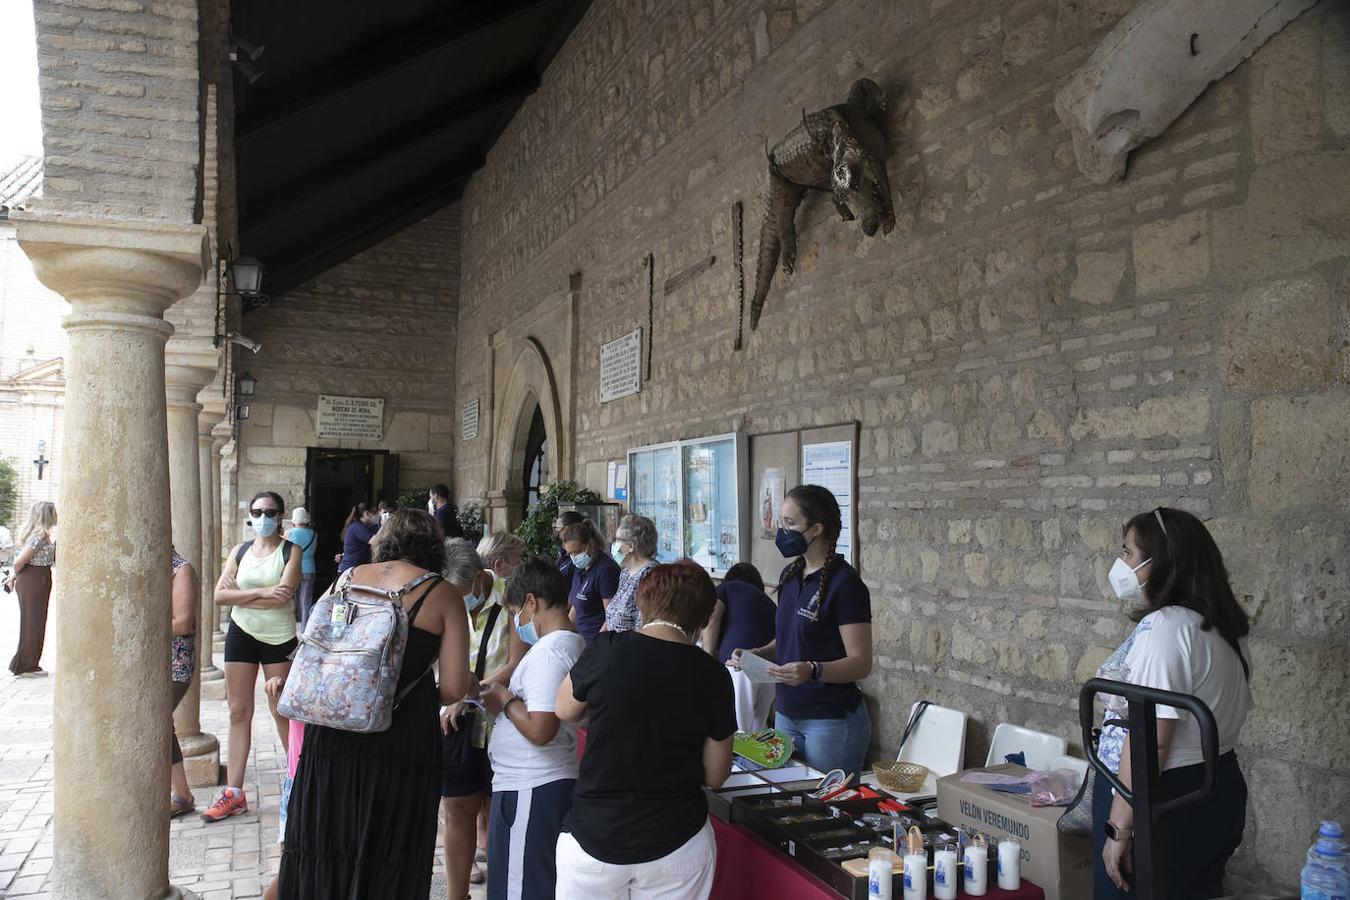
[1188, 640]
[533, 753]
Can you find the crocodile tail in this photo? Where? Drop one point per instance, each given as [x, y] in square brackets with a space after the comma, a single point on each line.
[769, 246]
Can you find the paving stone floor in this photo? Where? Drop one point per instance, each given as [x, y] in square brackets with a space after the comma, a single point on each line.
[231, 859]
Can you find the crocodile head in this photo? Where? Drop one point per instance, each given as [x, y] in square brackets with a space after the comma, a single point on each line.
[861, 178]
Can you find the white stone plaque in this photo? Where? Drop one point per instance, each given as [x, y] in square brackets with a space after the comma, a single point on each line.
[351, 418]
[468, 422]
[621, 367]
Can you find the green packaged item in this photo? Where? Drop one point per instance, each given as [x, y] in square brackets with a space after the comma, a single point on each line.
[769, 748]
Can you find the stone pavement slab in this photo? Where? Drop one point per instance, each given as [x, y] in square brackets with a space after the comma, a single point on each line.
[218, 861]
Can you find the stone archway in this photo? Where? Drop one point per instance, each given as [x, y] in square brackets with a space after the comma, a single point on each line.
[530, 388]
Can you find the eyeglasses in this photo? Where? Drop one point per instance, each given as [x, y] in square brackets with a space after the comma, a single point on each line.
[269, 513]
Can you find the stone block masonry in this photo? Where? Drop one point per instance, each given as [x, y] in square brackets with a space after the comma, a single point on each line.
[381, 324]
[120, 107]
[1032, 358]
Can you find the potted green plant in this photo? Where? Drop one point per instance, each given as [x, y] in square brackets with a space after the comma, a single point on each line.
[537, 529]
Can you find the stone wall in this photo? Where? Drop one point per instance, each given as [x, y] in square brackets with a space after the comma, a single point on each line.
[120, 107]
[1032, 358]
[381, 324]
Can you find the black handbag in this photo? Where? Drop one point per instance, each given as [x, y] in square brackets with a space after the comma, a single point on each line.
[457, 743]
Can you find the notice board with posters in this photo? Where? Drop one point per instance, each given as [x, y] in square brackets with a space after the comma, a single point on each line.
[779, 462]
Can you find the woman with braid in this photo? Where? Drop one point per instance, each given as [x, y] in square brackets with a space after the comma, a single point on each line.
[822, 637]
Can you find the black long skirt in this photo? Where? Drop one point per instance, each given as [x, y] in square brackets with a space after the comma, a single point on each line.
[362, 817]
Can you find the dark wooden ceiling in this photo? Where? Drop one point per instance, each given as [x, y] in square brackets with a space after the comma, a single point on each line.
[372, 114]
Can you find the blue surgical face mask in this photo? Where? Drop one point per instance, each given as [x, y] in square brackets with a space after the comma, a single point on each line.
[526, 631]
[790, 543]
[581, 560]
[616, 551]
[264, 526]
[472, 601]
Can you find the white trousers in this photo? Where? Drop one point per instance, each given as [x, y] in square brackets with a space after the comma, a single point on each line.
[752, 702]
[686, 874]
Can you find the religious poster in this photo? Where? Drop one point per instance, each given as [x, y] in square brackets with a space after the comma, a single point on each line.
[830, 465]
[351, 418]
[621, 367]
[469, 421]
[770, 501]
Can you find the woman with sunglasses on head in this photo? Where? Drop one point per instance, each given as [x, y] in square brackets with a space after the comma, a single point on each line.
[822, 637]
[260, 578]
[1188, 639]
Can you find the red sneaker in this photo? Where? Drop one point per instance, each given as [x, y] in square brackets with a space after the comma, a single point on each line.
[228, 804]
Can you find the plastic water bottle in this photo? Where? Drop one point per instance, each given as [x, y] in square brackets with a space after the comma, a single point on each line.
[1327, 873]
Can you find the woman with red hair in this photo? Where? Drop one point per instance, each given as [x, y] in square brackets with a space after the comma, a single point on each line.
[661, 724]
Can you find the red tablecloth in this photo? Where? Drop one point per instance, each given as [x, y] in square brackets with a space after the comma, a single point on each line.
[748, 867]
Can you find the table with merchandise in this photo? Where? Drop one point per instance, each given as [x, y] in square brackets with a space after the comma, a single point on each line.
[779, 835]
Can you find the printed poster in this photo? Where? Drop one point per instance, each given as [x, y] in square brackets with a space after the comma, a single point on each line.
[830, 465]
[771, 482]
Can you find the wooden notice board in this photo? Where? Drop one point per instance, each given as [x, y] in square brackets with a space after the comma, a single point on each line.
[776, 467]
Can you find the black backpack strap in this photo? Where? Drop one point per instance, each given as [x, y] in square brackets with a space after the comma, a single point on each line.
[912, 724]
[239, 554]
[481, 665]
[244, 548]
[286, 551]
[431, 577]
[312, 538]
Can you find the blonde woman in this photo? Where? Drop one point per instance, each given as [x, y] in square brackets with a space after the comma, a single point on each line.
[32, 577]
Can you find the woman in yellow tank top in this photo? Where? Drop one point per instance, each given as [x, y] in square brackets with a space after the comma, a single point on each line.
[258, 581]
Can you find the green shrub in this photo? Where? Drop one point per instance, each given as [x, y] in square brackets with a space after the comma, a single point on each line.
[9, 490]
[537, 529]
[470, 517]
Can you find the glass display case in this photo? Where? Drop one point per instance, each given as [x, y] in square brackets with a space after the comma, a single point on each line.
[693, 491]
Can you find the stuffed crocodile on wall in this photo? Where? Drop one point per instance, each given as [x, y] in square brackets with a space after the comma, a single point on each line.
[840, 149]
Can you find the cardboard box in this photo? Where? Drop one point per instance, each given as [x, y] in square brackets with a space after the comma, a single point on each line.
[1059, 864]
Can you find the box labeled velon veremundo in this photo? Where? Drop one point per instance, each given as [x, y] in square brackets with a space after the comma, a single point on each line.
[1059, 864]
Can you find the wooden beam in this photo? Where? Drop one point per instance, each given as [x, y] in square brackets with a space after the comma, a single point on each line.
[292, 266]
[389, 54]
[511, 91]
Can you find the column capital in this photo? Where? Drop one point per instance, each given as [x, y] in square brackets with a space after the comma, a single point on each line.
[212, 415]
[190, 364]
[114, 270]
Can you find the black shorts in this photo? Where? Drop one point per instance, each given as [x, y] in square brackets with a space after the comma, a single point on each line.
[242, 647]
[472, 779]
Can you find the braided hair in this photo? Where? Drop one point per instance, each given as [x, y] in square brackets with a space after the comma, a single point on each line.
[820, 507]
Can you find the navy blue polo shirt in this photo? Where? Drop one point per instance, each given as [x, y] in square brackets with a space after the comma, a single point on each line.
[747, 621]
[565, 566]
[591, 586]
[846, 601]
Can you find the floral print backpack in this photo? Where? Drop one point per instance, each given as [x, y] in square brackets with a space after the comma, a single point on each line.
[345, 674]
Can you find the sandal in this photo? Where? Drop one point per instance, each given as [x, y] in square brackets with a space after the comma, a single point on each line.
[477, 875]
[180, 807]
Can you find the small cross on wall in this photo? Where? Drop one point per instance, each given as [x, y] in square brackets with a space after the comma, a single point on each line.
[42, 461]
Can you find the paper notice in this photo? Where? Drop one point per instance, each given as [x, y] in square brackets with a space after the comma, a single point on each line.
[756, 668]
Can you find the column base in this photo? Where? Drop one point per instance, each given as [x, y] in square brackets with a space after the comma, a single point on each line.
[210, 673]
[177, 893]
[213, 689]
[201, 759]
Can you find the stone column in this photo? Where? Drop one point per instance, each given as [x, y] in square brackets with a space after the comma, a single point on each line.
[189, 365]
[111, 728]
[213, 411]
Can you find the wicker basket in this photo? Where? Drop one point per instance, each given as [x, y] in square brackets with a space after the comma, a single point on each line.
[901, 777]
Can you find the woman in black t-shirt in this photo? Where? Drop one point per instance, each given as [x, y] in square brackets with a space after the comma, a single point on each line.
[661, 725]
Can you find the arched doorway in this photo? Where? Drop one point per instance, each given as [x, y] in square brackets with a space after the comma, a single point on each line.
[536, 462]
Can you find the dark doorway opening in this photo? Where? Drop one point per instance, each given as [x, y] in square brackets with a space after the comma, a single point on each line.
[335, 481]
[536, 461]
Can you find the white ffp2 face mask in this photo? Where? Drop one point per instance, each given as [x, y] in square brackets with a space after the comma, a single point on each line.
[1124, 581]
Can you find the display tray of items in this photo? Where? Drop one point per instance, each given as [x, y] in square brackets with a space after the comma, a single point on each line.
[846, 837]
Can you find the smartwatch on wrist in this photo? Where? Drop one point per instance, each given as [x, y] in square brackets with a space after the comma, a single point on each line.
[817, 670]
[1117, 834]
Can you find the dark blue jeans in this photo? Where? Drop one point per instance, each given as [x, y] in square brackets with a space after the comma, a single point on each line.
[1194, 842]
